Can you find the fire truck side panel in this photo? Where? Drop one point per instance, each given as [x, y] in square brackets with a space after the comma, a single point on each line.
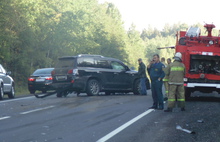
[201, 57]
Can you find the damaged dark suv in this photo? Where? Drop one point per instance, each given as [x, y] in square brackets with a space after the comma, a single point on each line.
[93, 74]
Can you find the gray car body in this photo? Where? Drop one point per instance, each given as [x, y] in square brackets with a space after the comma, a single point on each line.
[7, 80]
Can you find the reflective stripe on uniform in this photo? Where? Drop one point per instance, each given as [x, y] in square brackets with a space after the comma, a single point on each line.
[165, 79]
[177, 69]
[174, 83]
[172, 100]
[181, 100]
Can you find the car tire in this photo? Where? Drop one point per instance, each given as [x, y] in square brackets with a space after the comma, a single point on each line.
[32, 91]
[65, 93]
[137, 88]
[1, 92]
[107, 93]
[93, 87]
[59, 94]
[11, 94]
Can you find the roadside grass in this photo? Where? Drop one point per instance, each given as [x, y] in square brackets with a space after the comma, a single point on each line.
[21, 90]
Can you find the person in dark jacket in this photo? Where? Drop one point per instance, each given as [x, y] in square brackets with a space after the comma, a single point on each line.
[155, 70]
[143, 76]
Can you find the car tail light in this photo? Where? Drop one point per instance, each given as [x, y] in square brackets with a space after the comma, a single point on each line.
[185, 84]
[49, 78]
[70, 71]
[31, 79]
[73, 71]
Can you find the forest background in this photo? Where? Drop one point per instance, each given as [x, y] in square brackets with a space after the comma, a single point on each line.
[35, 33]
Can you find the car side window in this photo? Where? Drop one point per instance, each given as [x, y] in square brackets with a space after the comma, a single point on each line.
[86, 62]
[117, 66]
[102, 64]
[63, 63]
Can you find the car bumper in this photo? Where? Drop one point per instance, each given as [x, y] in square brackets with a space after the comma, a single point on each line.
[44, 86]
[75, 86]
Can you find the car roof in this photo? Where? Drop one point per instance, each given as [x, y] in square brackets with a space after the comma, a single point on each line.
[44, 68]
[89, 55]
[80, 55]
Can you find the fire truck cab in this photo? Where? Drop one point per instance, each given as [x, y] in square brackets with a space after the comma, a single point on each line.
[201, 57]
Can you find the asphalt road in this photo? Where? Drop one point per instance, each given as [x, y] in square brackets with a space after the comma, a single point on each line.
[114, 118]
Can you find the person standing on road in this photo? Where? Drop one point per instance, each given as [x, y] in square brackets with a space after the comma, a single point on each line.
[155, 69]
[143, 76]
[165, 81]
[163, 61]
[168, 61]
[176, 72]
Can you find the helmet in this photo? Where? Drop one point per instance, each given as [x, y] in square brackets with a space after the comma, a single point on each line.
[177, 56]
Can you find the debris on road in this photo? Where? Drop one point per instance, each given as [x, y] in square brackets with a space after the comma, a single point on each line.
[185, 130]
[200, 121]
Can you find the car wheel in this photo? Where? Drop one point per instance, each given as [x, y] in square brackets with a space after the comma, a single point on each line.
[137, 88]
[59, 94]
[65, 93]
[32, 91]
[93, 87]
[11, 94]
[77, 93]
[107, 93]
[1, 92]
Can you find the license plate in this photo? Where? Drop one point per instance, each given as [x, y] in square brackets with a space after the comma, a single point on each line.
[61, 77]
[40, 79]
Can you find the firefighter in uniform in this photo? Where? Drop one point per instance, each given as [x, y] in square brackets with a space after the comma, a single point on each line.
[176, 72]
[165, 81]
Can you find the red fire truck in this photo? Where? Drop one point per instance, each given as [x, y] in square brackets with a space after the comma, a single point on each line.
[201, 57]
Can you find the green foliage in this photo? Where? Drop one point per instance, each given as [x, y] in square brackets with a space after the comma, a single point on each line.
[135, 47]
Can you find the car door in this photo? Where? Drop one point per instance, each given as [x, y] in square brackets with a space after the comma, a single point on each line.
[105, 73]
[5, 78]
[121, 79]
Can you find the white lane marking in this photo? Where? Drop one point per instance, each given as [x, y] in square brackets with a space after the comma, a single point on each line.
[39, 109]
[17, 99]
[122, 127]
[6, 117]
